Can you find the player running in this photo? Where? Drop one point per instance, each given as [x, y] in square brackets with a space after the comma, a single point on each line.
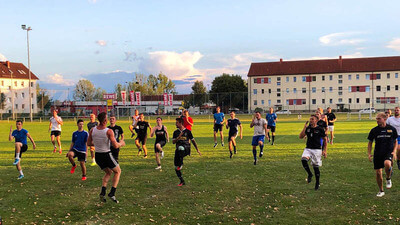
[260, 132]
[331, 122]
[78, 148]
[162, 138]
[141, 131]
[101, 137]
[187, 120]
[219, 119]
[55, 128]
[21, 144]
[90, 125]
[394, 121]
[314, 149]
[135, 118]
[385, 137]
[182, 138]
[232, 123]
[118, 134]
[271, 119]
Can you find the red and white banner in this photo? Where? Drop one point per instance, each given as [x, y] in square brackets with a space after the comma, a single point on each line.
[123, 96]
[170, 99]
[138, 102]
[109, 96]
[165, 98]
[132, 96]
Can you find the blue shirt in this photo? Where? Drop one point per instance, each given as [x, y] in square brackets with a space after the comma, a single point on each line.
[20, 136]
[79, 138]
[271, 119]
[219, 117]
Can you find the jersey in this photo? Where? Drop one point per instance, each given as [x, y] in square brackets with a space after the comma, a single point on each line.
[271, 119]
[259, 126]
[161, 135]
[55, 126]
[185, 122]
[233, 125]
[184, 140]
[90, 125]
[394, 122]
[322, 123]
[314, 135]
[20, 136]
[384, 138]
[117, 131]
[142, 128]
[100, 140]
[219, 117]
[330, 116]
[79, 138]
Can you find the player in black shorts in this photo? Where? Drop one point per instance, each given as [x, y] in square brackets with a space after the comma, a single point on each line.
[385, 137]
[162, 138]
[182, 138]
[331, 123]
[141, 132]
[322, 123]
[118, 134]
[233, 124]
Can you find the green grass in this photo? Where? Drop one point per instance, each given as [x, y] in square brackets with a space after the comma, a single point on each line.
[219, 190]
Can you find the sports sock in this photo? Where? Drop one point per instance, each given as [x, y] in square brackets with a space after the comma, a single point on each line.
[112, 192]
[317, 175]
[261, 148]
[179, 174]
[273, 138]
[73, 165]
[268, 136]
[103, 191]
[21, 173]
[255, 154]
[17, 155]
[306, 167]
[234, 148]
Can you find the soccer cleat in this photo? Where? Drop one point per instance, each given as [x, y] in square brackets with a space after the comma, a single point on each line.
[222, 144]
[181, 184]
[316, 186]
[272, 143]
[380, 194]
[158, 168]
[388, 184]
[230, 154]
[93, 163]
[73, 169]
[55, 149]
[309, 178]
[16, 161]
[20, 177]
[60, 151]
[83, 177]
[145, 156]
[255, 162]
[113, 199]
[261, 154]
[139, 152]
[162, 154]
[215, 145]
[102, 198]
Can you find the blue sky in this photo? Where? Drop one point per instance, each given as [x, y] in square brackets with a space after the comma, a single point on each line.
[108, 41]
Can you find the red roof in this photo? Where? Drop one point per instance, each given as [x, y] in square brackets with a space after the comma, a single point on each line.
[19, 71]
[340, 65]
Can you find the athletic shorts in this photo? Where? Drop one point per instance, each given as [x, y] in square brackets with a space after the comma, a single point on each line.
[105, 160]
[162, 143]
[179, 155]
[115, 153]
[272, 128]
[256, 139]
[398, 140]
[55, 133]
[80, 155]
[232, 134]
[24, 148]
[379, 160]
[218, 127]
[331, 127]
[142, 139]
[315, 156]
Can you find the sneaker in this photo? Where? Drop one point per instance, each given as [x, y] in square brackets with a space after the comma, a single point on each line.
[73, 169]
[388, 184]
[139, 152]
[145, 156]
[316, 186]
[158, 168]
[309, 178]
[16, 161]
[60, 151]
[272, 143]
[179, 168]
[55, 149]
[83, 177]
[20, 177]
[380, 194]
[231, 154]
[93, 164]
[215, 145]
[102, 198]
[181, 184]
[261, 154]
[113, 199]
[162, 154]
[222, 144]
[234, 151]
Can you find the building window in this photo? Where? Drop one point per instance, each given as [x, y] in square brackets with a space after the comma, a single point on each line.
[278, 94]
[16, 106]
[269, 80]
[255, 91]
[269, 102]
[303, 102]
[15, 83]
[330, 77]
[278, 90]
[340, 88]
[330, 89]
[340, 100]
[396, 75]
[304, 79]
[22, 84]
[23, 106]
[8, 100]
[33, 106]
[31, 84]
[367, 76]
[278, 79]
[16, 95]
[388, 75]
[357, 77]
[255, 102]
[278, 83]
[330, 101]
[262, 80]
[349, 88]
[340, 93]
[378, 88]
[314, 78]
[287, 101]
[388, 88]
[262, 102]
[287, 90]
[340, 76]
[278, 101]
[349, 100]
[314, 101]
[269, 91]
[357, 100]
[396, 87]
[303, 90]
[340, 81]
[323, 101]
[323, 77]
[314, 89]
[23, 95]
[294, 90]
[323, 89]
[262, 91]
[31, 95]
[294, 79]
[255, 80]
[367, 88]
[349, 77]
[378, 76]
[366, 100]
[287, 79]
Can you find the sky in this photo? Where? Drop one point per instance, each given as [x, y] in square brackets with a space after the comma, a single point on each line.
[108, 41]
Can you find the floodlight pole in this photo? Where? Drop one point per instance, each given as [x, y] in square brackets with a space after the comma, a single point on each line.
[29, 70]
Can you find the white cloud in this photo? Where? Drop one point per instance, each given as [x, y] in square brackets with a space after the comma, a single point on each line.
[59, 79]
[341, 38]
[101, 43]
[353, 55]
[92, 1]
[2, 58]
[394, 44]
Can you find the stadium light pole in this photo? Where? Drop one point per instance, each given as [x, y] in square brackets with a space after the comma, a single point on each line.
[29, 69]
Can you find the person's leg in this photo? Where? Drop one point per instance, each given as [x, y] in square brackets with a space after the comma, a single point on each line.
[53, 141]
[106, 178]
[261, 144]
[255, 154]
[17, 154]
[59, 143]
[221, 133]
[70, 156]
[117, 173]
[158, 150]
[83, 167]
[19, 168]
[233, 139]
[92, 155]
[398, 155]
[230, 146]
[379, 179]
[178, 162]
[138, 146]
[304, 161]
[215, 138]
[144, 150]
[331, 136]
[273, 137]
[317, 176]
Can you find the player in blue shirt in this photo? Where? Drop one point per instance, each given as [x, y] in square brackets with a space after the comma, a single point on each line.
[78, 148]
[271, 119]
[21, 145]
[219, 119]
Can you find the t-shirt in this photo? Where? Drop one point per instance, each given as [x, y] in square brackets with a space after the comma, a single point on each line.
[384, 139]
[79, 138]
[55, 126]
[134, 119]
[233, 125]
[314, 135]
[219, 117]
[161, 135]
[259, 126]
[20, 136]
[394, 122]
[186, 124]
[322, 124]
[90, 125]
[271, 119]
[117, 131]
[330, 116]
[184, 140]
[142, 128]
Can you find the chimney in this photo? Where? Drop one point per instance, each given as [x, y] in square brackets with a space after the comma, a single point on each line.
[280, 61]
[340, 61]
[8, 64]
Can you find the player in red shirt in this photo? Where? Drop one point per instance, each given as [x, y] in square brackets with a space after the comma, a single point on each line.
[187, 120]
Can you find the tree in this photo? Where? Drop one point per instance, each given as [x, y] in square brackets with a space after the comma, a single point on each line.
[149, 85]
[86, 91]
[198, 96]
[229, 91]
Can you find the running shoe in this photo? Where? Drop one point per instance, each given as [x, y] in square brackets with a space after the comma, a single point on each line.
[158, 168]
[102, 198]
[222, 144]
[133, 134]
[73, 169]
[113, 199]
[215, 145]
[83, 177]
[20, 177]
[145, 156]
[181, 184]
[162, 154]
[179, 168]
[261, 154]
[380, 194]
[389, 184]
[60, 151]
[55, 149]
[139, 152]
[93, 163]
[316, 186]
[16, 161]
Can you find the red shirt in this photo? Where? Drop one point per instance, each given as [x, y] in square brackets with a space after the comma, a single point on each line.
[186, 124]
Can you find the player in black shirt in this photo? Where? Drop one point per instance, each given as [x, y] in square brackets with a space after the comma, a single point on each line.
[90, 125]
[162, 138]
[385, 137]
[118, 134]
[233, 124]
[331, 122]
[313, 149]
[182, 138]
[141, 132]
[322, 123]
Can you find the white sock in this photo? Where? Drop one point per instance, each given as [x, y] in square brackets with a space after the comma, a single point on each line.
[21, 173]
[17, 155]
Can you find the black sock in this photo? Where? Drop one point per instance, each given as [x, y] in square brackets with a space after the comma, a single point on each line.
[317, 175]
[261, 148]
[255, 154]
[103, 191]
[273, 138]
[73, 164]
[268, 136]
[179, 174]
[234, 148]
[306, 167]
[112, 192]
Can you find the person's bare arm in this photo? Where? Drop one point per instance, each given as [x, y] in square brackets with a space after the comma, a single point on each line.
[114, 143]
[90, 139]
[10, 137]
[195, 145]
[394, 150]
[31, 139]
[50, 126]
[152, 131]
[166, 132]
[241, 133]
[324, 152]
[122, 137]
[303, 132]
[370, 151]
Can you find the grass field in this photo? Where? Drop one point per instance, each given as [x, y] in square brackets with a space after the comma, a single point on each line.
[218, 190]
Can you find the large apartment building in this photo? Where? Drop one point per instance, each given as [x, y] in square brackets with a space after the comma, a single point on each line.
[14, 83]
[342, 84]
